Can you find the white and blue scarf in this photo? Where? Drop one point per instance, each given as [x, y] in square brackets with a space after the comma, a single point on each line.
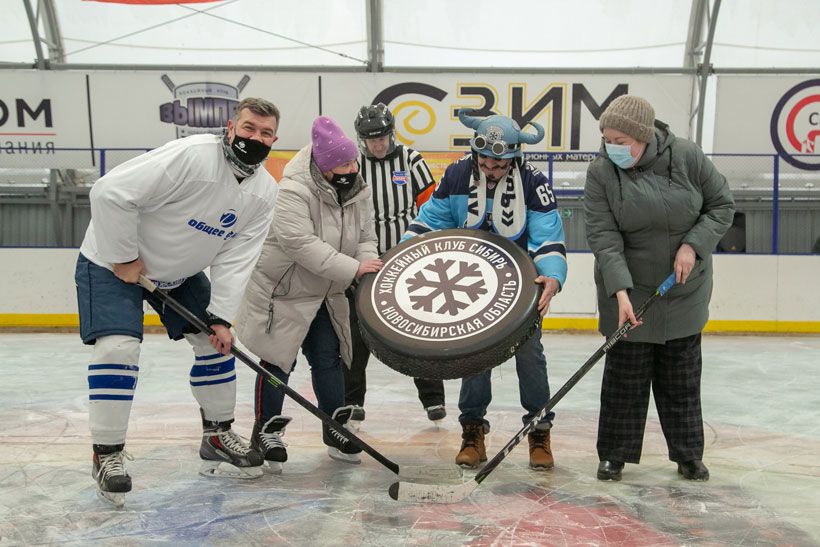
[509, 214]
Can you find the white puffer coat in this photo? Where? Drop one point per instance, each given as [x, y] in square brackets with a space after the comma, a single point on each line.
[311, 255]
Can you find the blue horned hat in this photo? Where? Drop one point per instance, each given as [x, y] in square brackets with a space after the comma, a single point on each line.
[497, 136]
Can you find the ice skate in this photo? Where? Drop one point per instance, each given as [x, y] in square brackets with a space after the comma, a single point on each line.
[357, 414]
[436, 414]
[267, 440]
[108, 469]
[339, 447]
[224, 454]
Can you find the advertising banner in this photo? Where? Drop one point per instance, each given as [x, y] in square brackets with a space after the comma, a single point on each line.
[568, 107]
[769, 115]
[147, 109]
[128, 112]
[41, 112]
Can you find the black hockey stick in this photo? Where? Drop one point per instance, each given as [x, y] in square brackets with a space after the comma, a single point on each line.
[452, 493]
[406, 471]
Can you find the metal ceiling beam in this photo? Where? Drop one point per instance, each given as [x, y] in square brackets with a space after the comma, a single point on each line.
[694, 36]
[692, 55]
[706, 69]
[375, 36]
[54, 36]
[35, 34]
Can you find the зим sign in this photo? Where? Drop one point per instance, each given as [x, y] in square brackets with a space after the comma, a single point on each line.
[558, 106]
[795, 125]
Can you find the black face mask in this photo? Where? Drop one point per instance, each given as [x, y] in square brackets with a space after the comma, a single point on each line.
[249, 151]
[344, 181]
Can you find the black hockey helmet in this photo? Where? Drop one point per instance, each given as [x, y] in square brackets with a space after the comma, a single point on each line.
[375, 121]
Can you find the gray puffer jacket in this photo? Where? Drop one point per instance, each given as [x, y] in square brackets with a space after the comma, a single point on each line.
[310, 256]
[637, 219]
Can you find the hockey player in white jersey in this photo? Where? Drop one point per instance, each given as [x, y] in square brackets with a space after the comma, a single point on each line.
[199, 202]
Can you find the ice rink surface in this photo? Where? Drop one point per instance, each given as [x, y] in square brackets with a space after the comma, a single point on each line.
[761, 399]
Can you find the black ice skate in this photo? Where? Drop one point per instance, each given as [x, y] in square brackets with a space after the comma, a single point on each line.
[338, 446]
[224, 454]
[267, 440]
[436, 414]
[354, 423]
[108, 469]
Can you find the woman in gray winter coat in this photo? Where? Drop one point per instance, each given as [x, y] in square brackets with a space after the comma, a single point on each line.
[321, 239]
[653, 204]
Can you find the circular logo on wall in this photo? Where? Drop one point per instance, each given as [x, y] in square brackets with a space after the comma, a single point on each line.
[446, 289]
[795, 125]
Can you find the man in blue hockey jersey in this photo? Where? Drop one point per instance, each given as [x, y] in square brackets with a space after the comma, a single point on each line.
[525, 212]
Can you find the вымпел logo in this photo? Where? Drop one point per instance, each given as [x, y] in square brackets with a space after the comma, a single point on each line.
[795, 125]
[200, 107]
[446, 289]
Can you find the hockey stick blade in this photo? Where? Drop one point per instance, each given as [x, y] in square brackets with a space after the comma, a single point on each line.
[437, 493]
[443, 493]
[430, 472]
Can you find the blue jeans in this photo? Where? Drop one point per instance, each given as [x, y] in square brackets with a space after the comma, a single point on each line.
[533, 387]
[321, 348]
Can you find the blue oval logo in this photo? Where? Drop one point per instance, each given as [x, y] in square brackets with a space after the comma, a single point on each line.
[228, 218]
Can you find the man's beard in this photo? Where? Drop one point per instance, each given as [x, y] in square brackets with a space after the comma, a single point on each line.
[493, 178]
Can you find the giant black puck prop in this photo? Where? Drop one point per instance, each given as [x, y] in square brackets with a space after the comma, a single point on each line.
[448, 304]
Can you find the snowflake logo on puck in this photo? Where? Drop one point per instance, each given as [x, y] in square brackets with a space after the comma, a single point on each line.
[446, 289]
[445, 286]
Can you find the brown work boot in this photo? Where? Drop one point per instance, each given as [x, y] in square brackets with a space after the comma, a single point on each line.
[472, 445]
[540, 451]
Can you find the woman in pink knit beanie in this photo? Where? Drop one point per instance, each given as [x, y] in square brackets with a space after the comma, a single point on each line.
[321, 240]
[331, 148]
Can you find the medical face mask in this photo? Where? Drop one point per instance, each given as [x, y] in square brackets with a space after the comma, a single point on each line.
[620, 155]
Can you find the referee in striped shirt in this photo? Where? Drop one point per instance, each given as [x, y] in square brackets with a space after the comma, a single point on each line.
[397, 175]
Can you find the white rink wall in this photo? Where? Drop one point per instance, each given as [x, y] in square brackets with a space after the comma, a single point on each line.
[777, 293]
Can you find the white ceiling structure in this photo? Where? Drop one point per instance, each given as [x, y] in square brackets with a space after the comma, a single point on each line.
[389, 34]
[696, 37]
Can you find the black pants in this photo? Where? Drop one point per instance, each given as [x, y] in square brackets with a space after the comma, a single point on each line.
[431, 392]
[673, 371]
[321, 349]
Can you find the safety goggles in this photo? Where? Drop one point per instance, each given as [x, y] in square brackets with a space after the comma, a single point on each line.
[498, 148]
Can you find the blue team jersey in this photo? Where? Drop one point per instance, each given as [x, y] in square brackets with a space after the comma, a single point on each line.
[543, 233]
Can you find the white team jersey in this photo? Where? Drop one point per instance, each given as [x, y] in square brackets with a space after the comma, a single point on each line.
[180, 209]
[395, 182]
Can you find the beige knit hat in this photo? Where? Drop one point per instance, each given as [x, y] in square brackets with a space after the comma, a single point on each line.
[631, 115]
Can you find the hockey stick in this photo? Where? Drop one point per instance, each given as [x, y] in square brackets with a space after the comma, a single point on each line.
[411, 472]
[452, 493]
